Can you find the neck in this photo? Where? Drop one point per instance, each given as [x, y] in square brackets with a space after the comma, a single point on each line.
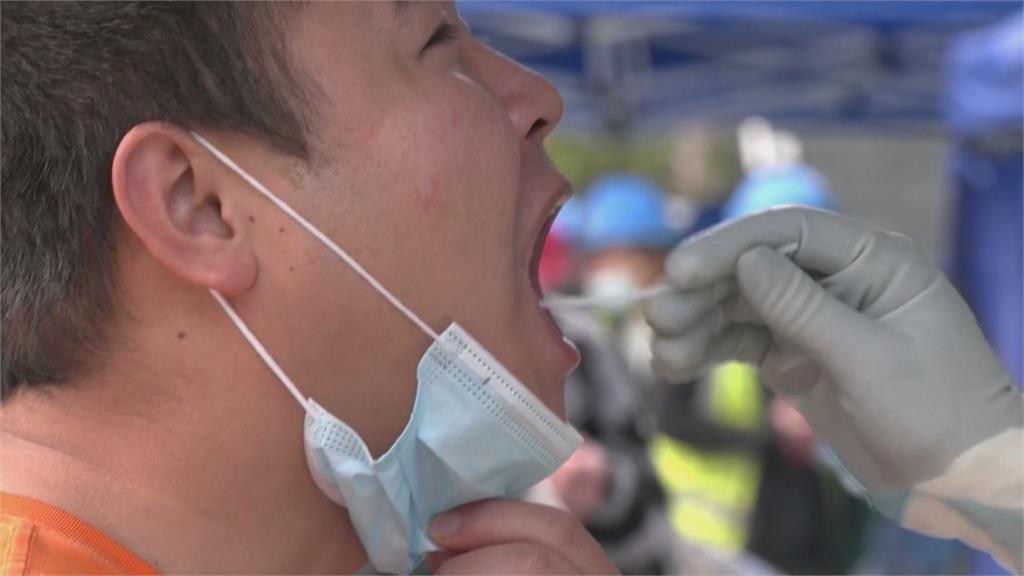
[142, 458]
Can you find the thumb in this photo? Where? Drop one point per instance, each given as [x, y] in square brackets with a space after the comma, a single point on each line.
[792, 305]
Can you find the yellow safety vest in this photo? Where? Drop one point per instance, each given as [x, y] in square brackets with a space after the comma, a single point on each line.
[712, 494]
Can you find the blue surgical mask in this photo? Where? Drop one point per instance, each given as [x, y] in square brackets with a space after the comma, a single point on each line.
[476, 432]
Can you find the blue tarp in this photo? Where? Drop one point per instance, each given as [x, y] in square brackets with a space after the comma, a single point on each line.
[635, 65]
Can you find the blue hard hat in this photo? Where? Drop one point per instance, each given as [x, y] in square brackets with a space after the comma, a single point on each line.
[568, 225]
[628, 211]
[799, 185]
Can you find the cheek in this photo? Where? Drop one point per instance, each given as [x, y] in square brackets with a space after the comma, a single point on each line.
[460, 164]
[471, 157]
[435, 191]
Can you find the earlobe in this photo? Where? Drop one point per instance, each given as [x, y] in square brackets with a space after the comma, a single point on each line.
[182, 206]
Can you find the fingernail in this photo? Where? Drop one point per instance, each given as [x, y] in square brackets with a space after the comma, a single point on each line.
[444, 526]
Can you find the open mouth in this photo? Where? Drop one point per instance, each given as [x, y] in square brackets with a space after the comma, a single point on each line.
[555, 197]
[538, 251]
[568, 351]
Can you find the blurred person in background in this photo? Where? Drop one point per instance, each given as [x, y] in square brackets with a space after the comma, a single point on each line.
[610, 243]
[709, 432]
[629, 226]
[623, 227]
[607, 483]
[705, 449]
[774, 173]
[739, 467]
[703, 170]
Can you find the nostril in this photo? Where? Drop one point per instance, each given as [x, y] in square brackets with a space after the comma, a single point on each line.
[538, 127]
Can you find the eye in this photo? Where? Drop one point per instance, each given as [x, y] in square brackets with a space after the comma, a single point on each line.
[444, 32]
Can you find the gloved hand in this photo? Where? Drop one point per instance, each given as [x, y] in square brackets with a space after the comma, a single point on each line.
[874, 347]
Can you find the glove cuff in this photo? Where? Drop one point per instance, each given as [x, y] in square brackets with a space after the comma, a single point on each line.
[979, 499]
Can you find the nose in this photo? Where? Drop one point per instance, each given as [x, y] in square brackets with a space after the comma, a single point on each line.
[534, 106]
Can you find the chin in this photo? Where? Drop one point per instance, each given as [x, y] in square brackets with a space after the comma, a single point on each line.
[552, 370]
[556, 399]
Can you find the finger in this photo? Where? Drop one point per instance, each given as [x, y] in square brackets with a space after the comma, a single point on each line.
[674, 313]
[736, 310]
[511, 558]
[436, 559]
[740, 343]
[678, 375]
[737, 342]
[685, 352]
[818, 240]
[796, 308]
[498, 521]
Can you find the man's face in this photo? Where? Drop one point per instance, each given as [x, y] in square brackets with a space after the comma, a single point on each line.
[428, 168]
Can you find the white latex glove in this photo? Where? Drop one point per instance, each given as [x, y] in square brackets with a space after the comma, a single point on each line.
[874, 347]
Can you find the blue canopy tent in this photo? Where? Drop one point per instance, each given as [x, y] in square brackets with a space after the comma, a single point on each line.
[636, 65]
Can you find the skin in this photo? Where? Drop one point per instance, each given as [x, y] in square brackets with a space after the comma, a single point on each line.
[582, 482]
[428, 168]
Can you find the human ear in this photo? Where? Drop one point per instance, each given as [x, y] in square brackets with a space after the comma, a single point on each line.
[184, 207]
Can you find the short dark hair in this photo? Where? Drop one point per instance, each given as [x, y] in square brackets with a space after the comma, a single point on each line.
[76, 78]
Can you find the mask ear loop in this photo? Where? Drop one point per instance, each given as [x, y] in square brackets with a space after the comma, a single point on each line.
[345, 257]
[261, 351]
[337, 250]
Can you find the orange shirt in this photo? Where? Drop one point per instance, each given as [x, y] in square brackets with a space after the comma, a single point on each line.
[38, 538]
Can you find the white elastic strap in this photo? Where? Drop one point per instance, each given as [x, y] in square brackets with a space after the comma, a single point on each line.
[255, 343]
[319, 236]
[563, 301]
